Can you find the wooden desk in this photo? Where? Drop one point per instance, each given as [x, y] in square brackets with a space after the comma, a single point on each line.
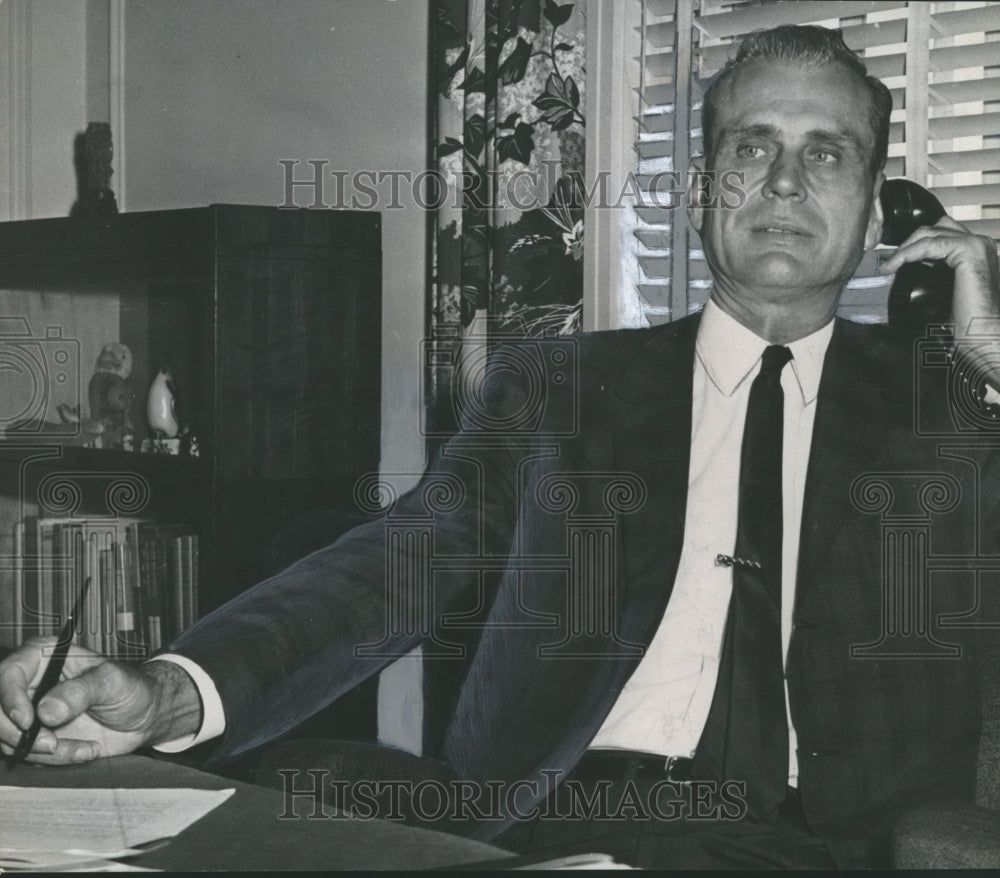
[245, 832]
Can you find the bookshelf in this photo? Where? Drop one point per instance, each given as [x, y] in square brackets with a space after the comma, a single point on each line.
[268, 324]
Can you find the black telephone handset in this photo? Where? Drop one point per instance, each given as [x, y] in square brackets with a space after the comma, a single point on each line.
[921, 292]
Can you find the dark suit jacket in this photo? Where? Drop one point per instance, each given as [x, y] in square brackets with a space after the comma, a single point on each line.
[880, 728]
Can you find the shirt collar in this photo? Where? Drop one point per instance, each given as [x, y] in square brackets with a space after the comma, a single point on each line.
[729, 353]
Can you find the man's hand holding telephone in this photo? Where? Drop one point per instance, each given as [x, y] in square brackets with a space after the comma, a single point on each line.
[915, 222]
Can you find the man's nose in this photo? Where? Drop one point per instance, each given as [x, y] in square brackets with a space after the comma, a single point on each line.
[785, 179]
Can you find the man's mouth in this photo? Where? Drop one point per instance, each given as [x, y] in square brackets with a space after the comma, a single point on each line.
[783, 230]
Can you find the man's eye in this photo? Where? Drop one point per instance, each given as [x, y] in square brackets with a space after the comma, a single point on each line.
[825, 157]
[750, 151]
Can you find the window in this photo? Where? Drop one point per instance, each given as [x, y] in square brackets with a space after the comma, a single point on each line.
[939, 60]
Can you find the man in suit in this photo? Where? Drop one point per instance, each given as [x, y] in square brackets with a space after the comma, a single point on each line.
[615, 516]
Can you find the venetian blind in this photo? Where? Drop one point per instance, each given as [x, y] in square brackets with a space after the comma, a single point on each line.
[941, 61]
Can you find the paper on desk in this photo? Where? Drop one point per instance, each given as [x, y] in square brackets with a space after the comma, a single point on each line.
[36, 823]
[40, 861]
[576, 862]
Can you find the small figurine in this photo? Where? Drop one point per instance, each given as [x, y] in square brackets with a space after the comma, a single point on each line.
[161, 404]
[93, 151]
[110, 395]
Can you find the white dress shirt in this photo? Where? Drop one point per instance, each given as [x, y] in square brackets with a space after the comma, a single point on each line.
[665, 703]
[213, 717]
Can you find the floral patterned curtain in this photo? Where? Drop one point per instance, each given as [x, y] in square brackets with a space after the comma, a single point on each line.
[509, 127]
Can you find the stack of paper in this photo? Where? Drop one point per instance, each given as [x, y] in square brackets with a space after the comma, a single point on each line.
[45, 829]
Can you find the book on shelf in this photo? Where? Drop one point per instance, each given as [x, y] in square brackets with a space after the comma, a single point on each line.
[39, 560]
[50, 582]
[189, 560]
[143, 576]
[164, 583]
[10, 585]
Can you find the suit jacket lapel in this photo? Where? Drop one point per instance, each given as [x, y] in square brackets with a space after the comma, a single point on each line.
[653, 441]
[848, 433]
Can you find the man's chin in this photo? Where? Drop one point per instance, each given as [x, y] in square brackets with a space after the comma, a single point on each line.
[780, 269]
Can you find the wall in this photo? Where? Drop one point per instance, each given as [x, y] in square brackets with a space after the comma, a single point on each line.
[8, 72]
[44, 93]
[46, 99]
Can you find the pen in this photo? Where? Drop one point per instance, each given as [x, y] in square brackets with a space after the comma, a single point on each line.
[49, 679]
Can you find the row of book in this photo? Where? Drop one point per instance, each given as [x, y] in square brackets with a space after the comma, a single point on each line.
[143, 582]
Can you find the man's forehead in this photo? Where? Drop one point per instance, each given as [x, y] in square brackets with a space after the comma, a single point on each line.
[772, 97]
[797, 73]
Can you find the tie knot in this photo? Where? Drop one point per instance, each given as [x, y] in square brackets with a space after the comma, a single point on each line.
[775, 358]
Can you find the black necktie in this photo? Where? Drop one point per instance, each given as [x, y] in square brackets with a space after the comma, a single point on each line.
[746, 735]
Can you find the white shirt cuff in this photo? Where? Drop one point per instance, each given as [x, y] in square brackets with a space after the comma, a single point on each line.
[213, 718]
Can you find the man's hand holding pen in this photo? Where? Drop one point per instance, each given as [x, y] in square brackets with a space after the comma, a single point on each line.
[99, 708]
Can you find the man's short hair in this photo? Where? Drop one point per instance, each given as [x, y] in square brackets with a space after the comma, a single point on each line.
[808, 45]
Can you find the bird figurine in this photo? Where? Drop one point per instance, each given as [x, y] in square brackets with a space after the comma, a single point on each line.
[161, 404]
[116, 357]
[110, 395]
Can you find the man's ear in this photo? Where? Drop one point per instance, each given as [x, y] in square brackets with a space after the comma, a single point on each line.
[698, 193]
[873, 233]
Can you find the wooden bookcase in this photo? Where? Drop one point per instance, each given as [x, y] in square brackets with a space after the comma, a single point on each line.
[271, 322]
